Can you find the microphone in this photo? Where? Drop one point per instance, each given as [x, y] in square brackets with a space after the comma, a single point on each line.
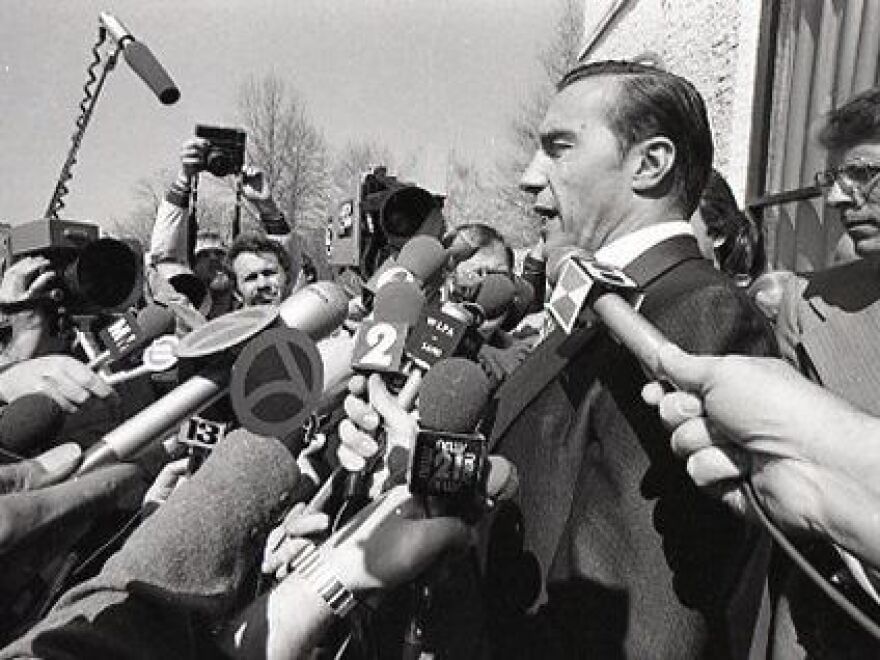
[379, 348]
[453, 329]
[30, 424]
[317, 309]
[420, 260]
[423, 256]
[450, 459]
[141, 60]
[453, 395]
[451, 462]
[310, 309]
[130, 332]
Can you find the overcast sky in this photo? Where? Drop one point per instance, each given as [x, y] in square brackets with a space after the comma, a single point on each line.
[421, 76]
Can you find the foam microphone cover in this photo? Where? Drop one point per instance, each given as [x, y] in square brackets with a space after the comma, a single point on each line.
[317, 309]
[148, 69]
[399, 302]
[496, 294]
[453, 395]
[155, 320]
[30, 424]
[423, 256]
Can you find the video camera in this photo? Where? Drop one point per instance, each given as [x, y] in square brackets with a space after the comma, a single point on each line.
[226, 151]
[94, 274]
[379, 219]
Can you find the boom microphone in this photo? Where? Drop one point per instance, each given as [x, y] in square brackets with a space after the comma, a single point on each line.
[141, 60]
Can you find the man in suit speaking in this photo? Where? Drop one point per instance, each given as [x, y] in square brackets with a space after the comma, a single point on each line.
[634, 560]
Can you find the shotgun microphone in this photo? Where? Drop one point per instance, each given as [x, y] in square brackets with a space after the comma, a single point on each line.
[141, 59]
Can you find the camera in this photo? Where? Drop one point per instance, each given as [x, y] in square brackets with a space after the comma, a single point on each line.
[382, 215]
[225, 151]
[94, 274]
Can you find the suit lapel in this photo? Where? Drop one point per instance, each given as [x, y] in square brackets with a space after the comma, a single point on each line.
[552, 356]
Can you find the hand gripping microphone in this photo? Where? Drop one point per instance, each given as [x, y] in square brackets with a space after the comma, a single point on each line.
[379, 348]
[141, 60]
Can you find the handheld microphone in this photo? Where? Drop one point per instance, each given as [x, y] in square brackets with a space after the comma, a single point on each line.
[379, 348]
[450, 459]
[129, 333]
[30, 424]
[141, 60]
[420, 260]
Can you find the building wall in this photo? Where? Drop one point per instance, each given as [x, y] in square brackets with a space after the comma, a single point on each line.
[713, 43]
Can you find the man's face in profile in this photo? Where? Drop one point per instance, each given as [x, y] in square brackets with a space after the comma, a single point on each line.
[855, 193]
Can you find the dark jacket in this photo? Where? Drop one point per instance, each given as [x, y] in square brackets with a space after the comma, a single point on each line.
[634, 560]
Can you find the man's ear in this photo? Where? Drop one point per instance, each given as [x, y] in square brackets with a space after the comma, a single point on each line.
[656, 158]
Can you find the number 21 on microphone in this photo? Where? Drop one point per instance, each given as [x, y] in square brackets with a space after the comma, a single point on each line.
[379, 346]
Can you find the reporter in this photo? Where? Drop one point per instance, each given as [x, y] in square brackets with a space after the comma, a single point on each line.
[813, 458]
[184, 567]
[171, 240]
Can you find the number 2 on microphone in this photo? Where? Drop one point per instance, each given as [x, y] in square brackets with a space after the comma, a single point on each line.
[381, 339]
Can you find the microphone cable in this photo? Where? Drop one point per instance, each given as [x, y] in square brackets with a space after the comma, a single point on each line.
[806, 567]
[91, 91]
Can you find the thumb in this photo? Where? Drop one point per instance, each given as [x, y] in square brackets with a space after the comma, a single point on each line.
[687, 372]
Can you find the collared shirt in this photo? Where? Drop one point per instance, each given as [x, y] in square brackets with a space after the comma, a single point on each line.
[623, 251]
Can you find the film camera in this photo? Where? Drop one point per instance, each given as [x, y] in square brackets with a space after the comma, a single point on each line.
[94, 274]
[379, 219]
[226, 150]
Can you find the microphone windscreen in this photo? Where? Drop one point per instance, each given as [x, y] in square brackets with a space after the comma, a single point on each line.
[154, 321]
[453, 395]
[30, 424]
[496, 294]
[422, 256]
[399, 302]
[148, 69]
[317, 309]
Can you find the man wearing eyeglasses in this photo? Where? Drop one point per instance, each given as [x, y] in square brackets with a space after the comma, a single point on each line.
[828, 325]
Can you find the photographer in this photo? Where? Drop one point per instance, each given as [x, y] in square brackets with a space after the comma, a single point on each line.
[171, 239]
[28, 329]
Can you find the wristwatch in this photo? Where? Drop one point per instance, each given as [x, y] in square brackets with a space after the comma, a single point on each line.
[309, 565]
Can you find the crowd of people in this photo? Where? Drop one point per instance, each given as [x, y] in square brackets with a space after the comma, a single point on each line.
[503, 477]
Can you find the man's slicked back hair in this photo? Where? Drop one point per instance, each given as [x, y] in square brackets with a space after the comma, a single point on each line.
[855, 122]
[652, 102]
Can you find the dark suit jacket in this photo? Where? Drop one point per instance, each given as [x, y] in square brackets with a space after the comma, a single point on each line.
[183, 568]
[636, 561]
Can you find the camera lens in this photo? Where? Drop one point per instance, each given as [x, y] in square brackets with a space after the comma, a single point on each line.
[104, 274]
[218, 163]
